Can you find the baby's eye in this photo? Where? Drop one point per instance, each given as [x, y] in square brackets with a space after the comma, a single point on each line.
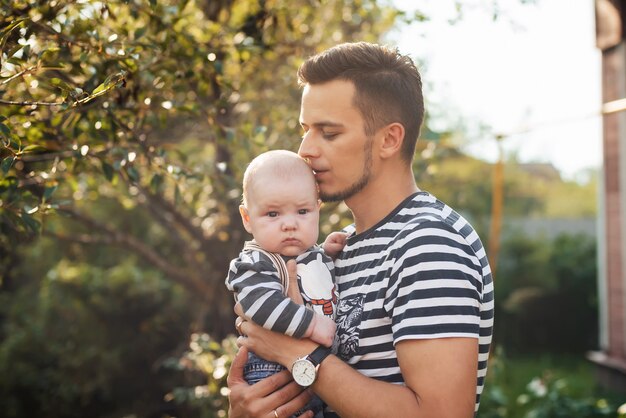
[272, 214]
[303, 211]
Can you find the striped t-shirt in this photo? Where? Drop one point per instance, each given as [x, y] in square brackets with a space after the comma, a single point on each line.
[420, 273]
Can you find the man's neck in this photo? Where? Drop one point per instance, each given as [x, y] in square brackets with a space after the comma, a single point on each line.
[378, 199]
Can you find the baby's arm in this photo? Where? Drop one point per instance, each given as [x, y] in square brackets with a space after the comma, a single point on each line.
[334, 243]
[259, 292]
[321, 330]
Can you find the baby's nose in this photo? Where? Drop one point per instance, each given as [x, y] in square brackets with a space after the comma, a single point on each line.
[289, 223]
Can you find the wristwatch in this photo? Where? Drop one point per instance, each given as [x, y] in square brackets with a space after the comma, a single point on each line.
[304, 370]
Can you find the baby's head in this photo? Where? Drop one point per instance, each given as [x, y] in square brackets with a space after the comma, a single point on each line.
[280, 203]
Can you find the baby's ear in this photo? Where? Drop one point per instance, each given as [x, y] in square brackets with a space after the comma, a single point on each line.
[245, 218]
[319, 203]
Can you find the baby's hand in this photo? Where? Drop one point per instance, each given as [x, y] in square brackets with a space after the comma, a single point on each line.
[322, 330]
[334, 243]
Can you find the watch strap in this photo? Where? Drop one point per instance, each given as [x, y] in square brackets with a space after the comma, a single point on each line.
[319, 354]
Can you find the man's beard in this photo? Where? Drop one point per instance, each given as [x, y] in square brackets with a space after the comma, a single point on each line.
[358, 185]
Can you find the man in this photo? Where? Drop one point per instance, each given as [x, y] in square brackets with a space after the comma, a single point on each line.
[415, 311]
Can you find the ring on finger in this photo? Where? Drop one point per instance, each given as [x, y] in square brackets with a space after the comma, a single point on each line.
[275, 414]
[238, 326]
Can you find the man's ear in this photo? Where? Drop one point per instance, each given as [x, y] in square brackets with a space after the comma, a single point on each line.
[245, 218]
[392, 140]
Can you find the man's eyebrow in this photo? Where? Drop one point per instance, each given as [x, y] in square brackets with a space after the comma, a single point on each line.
[324, 124]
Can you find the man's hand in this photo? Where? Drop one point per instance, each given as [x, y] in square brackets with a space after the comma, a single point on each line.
[276, 395]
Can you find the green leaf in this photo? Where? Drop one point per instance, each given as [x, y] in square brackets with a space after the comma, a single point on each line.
[61, 84]
[110, 82]
[49, 53]
[156, 182]
[177, 195]
[16, 61]
[48, 192]
[4, 34]
[32, 148]
[140, 32]
[108, 171]
[7, 163]
[133, 174]
[5, 129]
[12, 26]
[30, 222]
[14, 50]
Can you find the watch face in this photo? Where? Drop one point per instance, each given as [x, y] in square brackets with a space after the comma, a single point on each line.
[303, 372]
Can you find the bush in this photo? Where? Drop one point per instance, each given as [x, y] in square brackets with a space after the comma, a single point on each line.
[542, 387]
[546, 295]
[88, 341]
[205, 366]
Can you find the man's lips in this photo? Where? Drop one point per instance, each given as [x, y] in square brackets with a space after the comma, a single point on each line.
[318, 173]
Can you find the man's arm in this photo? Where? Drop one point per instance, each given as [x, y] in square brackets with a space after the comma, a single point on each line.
[440, 376]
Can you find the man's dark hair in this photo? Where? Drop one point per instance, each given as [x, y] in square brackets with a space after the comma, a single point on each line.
[388, 86]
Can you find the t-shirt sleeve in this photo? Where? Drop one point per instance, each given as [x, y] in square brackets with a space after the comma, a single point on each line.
[257, 287]
[435, 284]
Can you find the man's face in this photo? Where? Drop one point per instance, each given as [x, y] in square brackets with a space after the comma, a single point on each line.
[334, 140]
[282, 216]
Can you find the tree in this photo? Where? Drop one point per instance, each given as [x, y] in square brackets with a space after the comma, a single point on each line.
[125, 128]
[148, 111]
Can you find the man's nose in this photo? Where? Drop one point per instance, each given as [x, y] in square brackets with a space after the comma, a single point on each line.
[307, 146]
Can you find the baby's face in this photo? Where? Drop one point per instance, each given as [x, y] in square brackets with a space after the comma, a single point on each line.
[283, 215]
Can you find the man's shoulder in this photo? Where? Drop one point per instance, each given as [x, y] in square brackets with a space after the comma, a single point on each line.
[426, 219]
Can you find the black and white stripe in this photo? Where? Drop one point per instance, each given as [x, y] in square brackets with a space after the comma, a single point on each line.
[421, 273]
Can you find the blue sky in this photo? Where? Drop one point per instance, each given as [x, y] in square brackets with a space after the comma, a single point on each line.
[532, 75]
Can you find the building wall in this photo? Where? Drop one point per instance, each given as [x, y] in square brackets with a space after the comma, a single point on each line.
[614, 128]
[611, 360]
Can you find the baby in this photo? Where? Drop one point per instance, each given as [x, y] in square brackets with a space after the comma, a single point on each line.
[281, 210]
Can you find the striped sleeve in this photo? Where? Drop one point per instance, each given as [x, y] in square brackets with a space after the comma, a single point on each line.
[435, 284]
[257, 287]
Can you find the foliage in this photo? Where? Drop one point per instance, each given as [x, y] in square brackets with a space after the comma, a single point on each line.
[82, 342]
[125, 126]
[538, 281]
[151, 109]
[515, 387]
[550, 390]
[466, 183]
[205, 365]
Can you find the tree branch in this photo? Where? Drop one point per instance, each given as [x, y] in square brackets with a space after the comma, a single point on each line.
[16, 103]
[192, 282]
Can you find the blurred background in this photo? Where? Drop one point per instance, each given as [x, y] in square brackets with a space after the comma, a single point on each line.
[126, 126]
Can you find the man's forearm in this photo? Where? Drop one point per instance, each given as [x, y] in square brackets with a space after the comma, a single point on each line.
[440, 376]
[351, 394]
